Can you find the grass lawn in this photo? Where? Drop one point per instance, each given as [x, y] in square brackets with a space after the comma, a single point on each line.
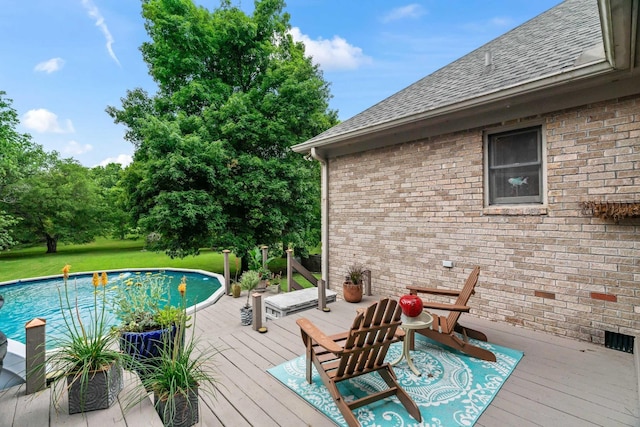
[107, 254]
[103, 254]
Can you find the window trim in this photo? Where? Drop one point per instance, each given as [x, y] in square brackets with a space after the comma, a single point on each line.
[516, 208]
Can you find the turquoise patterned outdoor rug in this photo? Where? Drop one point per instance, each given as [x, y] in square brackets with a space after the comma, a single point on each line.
[453, 390]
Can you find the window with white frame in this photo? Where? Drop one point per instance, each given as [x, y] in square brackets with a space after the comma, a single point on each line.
[514, 166]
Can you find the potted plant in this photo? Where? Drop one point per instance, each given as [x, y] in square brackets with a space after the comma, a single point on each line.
[265, 276]
[352, 286]
[276, 280]
[259, 264]
[179, 374]
[145, 315]
[249, 280]
[86, 362]
[236, 289]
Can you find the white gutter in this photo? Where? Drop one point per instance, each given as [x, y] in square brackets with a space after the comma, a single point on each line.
[634, 30]
[619, 21]
[324, 209]
[605, 23]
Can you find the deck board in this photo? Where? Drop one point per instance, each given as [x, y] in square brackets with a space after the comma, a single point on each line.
[558, 382]
[35, 411]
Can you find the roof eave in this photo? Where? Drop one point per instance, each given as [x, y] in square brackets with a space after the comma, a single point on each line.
[621, 32]
[502, 96]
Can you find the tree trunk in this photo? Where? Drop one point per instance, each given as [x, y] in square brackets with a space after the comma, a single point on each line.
[52, 245]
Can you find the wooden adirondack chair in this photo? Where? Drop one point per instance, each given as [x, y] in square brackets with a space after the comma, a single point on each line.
[359, 351]
[443, 327]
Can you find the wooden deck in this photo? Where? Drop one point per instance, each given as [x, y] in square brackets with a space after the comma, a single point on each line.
[559, 382]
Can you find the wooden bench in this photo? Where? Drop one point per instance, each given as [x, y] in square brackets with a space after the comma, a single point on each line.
[281, 305]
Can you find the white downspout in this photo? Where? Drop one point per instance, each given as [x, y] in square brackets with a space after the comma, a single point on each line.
[324, 212]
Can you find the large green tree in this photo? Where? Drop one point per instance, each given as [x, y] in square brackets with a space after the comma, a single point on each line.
[60, 203]
[213, 165]
[115, 212]
[20, 157]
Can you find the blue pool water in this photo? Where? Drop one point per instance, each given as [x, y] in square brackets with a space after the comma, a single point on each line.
[39, 298]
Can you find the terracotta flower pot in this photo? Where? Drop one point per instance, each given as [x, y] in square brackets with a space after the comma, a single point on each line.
[352, 292]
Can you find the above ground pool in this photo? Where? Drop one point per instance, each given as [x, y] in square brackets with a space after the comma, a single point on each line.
[27, 299]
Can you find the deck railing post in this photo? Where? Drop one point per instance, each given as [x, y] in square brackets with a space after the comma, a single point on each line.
[256, 303]
[322, 295]
[265, 254]
[227, 272]
[35, 355]
[289, 269]
[366, 278]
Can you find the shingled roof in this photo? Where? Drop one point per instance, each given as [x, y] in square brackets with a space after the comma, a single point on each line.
[558, 41]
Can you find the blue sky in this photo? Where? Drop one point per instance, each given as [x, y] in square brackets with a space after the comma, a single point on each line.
[64, 61]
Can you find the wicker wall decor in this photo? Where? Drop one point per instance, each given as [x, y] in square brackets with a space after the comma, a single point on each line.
[611, 210]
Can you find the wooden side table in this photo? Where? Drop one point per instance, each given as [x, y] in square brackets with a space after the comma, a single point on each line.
[410, 324]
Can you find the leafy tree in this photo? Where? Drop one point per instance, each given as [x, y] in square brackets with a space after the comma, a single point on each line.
[59, 203]
[213, 165]
[6, 234]
[19, 158]
[115, 213]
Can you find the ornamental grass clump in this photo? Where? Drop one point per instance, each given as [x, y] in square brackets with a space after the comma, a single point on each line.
[180, 371]
[87, 347]
[355, 273]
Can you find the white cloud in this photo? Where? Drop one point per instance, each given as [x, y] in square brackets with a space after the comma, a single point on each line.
[74, 148]
[94, 13]
[53, 64]
[44, 121]
[501, 21]
[334, 54]
[124, 159]
[409, 11]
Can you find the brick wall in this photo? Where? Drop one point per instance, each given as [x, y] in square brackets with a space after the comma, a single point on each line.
[403, 209]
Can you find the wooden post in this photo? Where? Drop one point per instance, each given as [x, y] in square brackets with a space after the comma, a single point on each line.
[35, 366]
[265, 254]
[227, 272]
[256, 303]
[289, 269]
[367, 282]
[322, 295]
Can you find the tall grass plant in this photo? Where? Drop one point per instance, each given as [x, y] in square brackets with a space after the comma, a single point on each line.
[86, 347]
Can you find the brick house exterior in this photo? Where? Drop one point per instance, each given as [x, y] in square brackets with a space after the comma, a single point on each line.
[407, 185]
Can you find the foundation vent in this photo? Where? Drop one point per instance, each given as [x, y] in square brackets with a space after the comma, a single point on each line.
[618, 341]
